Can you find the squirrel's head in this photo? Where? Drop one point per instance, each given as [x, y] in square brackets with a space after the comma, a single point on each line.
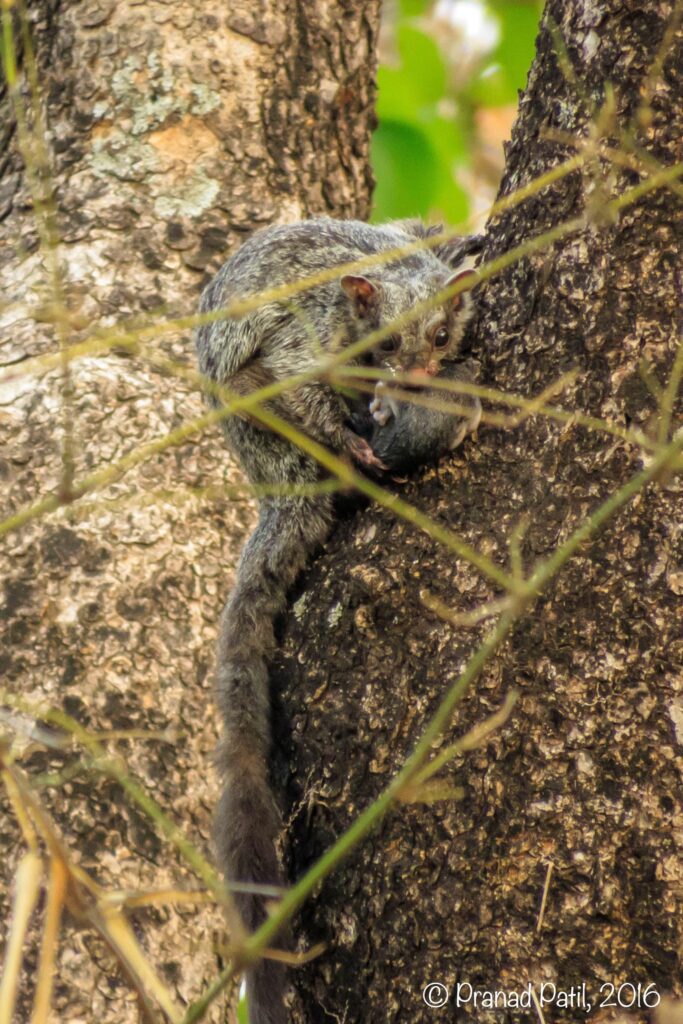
[422, 341]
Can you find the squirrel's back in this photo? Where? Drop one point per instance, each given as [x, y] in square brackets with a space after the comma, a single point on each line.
[289, 252]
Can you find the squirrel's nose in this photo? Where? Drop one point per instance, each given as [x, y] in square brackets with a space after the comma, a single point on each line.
[429, 370]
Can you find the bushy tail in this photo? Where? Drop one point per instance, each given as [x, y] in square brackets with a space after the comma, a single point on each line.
[247, 820]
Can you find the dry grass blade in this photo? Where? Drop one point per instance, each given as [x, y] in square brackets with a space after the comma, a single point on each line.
[118, 933]
[27, 887]
[295, 959]
[56, 895]
[84, 900]
[544, 897]
[466, 619]
[158, 897]
[98, 760]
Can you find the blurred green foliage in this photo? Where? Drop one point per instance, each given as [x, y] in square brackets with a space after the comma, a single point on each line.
[426, 112]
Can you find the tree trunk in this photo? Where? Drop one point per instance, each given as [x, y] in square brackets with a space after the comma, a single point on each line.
[585, 778]
[173, 129]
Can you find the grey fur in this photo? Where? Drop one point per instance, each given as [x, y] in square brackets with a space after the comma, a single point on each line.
[271, 344]
[415, 434]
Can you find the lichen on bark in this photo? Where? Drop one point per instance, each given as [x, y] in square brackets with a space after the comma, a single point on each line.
[160, 142]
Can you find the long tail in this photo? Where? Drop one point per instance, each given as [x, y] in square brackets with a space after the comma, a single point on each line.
[247, 821]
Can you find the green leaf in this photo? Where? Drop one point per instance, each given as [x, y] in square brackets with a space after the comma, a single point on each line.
[448, 140]
[413, 8]
[507, 68]
[410, 91]
[516, 50]
[406, 168]
[492, 88]
[414, 170]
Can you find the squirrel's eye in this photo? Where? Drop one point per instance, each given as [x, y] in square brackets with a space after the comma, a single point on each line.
[441, 337]
[389, 345]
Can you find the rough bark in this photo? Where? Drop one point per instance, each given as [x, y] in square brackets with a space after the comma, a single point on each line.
[587, 774]
[173, 129]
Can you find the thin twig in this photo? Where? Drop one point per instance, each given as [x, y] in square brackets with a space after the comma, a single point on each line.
[544, 897]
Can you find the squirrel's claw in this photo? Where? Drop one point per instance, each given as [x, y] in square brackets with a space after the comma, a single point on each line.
[361, 452]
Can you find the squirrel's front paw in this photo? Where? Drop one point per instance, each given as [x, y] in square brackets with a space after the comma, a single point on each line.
[381, 407]
[381, 411]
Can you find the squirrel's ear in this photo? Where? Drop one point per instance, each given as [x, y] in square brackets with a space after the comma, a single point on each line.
[456, 301]
[363, 292]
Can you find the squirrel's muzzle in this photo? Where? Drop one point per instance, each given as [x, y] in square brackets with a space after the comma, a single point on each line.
[422, 372]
